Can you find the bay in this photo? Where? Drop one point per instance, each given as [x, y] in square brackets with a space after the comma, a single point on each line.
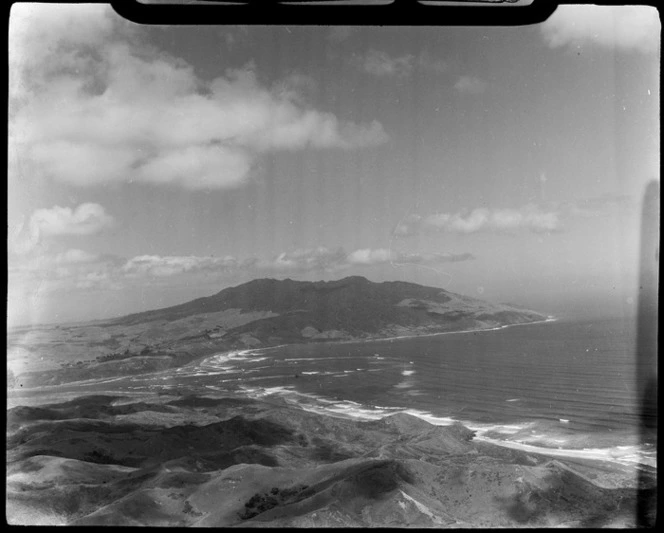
[567, 385]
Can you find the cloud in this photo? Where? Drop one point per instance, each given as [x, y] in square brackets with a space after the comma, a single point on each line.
[81, 162]
[379, 256]
[379, 63]
[214, 167]
[303, 260]
[86, 219]
[42, 271]
[42, 278]
[75, 256]
[162, 266]
[89, 104]
[529, 217]
[433, 258]
[633, 28]
[46, 272]
[294, 87]
[368, 256]
[470, 85]
[324, 259]
[544, 218]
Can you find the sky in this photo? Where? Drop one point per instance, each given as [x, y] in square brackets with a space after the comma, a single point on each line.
[151, 165]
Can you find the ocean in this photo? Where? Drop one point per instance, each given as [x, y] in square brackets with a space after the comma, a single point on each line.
[565, 385]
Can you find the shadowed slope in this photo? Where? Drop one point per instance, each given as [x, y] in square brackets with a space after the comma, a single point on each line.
[262, 463]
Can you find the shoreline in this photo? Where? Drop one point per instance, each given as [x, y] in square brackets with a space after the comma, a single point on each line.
[475, 330]
[348, 410]
[604, 454]
[550, 318]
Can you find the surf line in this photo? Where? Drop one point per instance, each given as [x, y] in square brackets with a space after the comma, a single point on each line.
[261, 351]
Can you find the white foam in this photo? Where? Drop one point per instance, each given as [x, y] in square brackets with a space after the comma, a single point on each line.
[407, 372]
[510, 429]
[350, 412]
[435, 420]
[272, 390]
[623, 456]
[220, 359]
[385, 408]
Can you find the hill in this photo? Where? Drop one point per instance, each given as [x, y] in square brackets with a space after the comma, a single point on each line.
[165, 460]
[260, 313]
[353, 304]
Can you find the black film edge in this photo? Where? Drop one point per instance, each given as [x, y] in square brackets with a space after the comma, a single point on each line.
[397, 13]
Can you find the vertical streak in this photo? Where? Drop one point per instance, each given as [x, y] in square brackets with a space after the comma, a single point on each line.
[646, 343]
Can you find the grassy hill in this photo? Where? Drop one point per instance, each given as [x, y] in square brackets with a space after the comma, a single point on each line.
[353, 305]
[225, 461]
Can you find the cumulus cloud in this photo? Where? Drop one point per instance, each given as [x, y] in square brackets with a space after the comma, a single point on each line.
[214, 167]
[529, 217]
[78, 270]
[470, 85]
[324, 259]
[161, 266]
[543, 218]
[368, 256]
[302, 260]
[89, 105]
[379, 256]
[635, 28]
[86, 219]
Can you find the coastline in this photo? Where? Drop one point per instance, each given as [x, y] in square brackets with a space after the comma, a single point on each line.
[621, 456]
[550, 318]
[170, 460]
[344, 409]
